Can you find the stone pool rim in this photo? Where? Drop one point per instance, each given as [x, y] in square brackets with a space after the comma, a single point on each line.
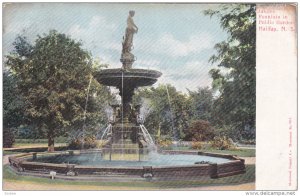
[234, 166]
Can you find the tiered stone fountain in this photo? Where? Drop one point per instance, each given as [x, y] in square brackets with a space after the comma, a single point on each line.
[127, 138]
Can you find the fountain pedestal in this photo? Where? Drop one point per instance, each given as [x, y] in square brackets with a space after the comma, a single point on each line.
[127, 140]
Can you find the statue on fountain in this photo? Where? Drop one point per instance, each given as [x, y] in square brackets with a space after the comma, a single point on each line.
[127, 58]
[126, 133]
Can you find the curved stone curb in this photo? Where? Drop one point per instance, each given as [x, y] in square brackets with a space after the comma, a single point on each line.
[235, 166]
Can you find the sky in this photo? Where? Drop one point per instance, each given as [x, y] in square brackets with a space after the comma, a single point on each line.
[175, 39]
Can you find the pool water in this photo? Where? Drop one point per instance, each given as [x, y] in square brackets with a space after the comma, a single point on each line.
[155, 159]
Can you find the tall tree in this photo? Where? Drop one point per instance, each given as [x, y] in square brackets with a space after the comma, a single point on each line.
[12, 108]
[168, 110]
[237, 100]
[12, 102]
[53, 76]
[201, 104]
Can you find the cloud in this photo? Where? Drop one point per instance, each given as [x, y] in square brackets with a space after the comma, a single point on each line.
[95, 23]
[191, 69]
[191, 75]
[111, 61]
[98, 26]
[168, 45]
[147, 64]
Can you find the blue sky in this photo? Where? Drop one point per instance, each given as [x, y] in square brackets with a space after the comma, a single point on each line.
[176, 39]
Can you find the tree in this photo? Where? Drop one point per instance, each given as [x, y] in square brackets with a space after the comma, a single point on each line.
[12, 108]
[201, 104]
[53, 76]
[237, 101]
[168, 110]
[12, 102]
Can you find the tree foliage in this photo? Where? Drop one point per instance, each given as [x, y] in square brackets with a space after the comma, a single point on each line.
[12, 102]
[54, 75]
[201, 104]
[12, 108]
[236, 103]
[168, 110]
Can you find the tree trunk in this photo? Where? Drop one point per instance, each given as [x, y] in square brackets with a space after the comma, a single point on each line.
[50, 144]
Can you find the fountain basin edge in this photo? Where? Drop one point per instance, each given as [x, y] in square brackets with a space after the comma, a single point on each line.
[234, 166]
[131, 77]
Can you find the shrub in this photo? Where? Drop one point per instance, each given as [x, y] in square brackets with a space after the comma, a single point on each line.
[8, 138]
[30, 132]
[197, 145]
[237, 132]
[248, 142]
[222, 143]
[79, 143]
[200, 130]
[101, 143]
[163, 143]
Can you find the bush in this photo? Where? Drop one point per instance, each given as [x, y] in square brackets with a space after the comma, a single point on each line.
[238, 133]
[222, 143]
[164, 143]
[29, 132]
[248, 142]
[100, 143]
[197, 145]
[8, 137]
[200, 130]
[80, 143]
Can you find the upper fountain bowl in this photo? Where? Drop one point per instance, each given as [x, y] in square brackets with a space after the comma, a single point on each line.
[131, 77]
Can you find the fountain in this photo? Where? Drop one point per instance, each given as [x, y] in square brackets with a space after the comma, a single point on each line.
[129, 139]
[128, 149]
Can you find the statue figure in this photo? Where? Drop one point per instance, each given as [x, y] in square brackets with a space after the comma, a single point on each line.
[130, 30]
[127, 57]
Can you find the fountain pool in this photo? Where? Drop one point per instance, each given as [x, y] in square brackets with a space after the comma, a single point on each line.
[170, 165]
[95, 159]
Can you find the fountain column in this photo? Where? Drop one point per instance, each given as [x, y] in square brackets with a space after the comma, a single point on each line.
[129, 139]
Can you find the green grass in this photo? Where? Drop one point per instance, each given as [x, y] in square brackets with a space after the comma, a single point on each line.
[18, 145]
[43, 141]
[249, 176]
[237, 152]
[7, 152]
[32, 149]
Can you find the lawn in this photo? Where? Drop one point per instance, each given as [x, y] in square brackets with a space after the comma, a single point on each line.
[243, 152]
[21, 145]
[237, 152]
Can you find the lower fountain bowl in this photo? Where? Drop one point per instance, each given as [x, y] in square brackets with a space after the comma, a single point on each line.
[171, 165]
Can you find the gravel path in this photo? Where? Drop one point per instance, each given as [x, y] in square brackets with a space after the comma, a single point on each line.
[5, 159]
[249, 160]
[24, 186]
